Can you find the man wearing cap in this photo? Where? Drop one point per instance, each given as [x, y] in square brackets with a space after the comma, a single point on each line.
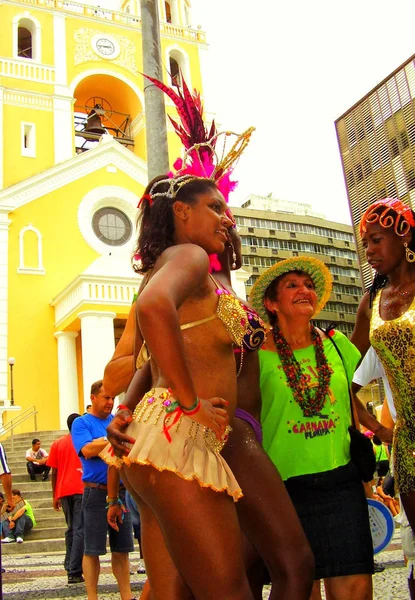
[89, 439]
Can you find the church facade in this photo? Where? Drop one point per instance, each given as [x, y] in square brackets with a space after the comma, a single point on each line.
[72, 170]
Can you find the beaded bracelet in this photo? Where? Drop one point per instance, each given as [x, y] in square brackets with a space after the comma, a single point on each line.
[112, 501]
[123, 407]
[191, 410]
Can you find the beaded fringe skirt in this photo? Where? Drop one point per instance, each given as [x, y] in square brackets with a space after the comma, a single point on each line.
[193, 451]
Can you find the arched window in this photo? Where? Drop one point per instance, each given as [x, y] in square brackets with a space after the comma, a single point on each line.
[168, 12]
[175, 73]
[30, 246]
[26, 38]
[24, 42]
[179, 65]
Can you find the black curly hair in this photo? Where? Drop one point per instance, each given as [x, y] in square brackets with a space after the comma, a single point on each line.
[380, 281]
[156, 220]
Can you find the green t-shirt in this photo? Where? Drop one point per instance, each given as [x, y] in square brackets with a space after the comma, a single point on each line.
[300, 445]
[380, 453]
[29, 512]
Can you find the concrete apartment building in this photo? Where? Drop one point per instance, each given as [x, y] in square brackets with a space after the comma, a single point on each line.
[377, 145]
[273, 230]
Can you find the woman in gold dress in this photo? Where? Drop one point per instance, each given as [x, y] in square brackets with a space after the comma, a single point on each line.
[386, 319]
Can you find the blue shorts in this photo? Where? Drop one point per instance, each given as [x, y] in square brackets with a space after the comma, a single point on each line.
[96, 526]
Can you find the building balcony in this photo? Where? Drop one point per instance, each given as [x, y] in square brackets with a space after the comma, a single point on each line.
[94, 290]
[114, 16]
[27, 69]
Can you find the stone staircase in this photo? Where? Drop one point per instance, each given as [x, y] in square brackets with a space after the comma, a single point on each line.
[49, 533]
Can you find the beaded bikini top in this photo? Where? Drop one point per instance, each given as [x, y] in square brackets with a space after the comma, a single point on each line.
[229, 310]
[256, 331]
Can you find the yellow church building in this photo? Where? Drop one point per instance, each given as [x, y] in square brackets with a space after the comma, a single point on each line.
[72, 170]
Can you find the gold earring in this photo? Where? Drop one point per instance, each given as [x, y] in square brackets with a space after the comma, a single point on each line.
[409, 254]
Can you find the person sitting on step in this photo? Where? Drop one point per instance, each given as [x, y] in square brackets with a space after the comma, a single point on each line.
[19, 521]
[36, 458]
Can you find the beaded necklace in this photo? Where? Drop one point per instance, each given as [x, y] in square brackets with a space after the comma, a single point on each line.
[309, 399]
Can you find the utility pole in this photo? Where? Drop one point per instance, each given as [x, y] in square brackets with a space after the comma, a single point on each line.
[156, 130]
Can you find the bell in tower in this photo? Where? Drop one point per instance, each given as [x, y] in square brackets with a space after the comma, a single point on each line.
[93, 121]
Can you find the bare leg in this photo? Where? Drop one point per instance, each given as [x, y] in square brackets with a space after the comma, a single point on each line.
[201, 532]
[121, 568]
[164, 580]
[255, 568]
[90, 568]
[145, 592]
[267, 516]
[358, 587]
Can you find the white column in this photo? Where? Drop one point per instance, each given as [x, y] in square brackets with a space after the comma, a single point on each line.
[238, 279]
[68, 376]
[62, 101]
[63, 128]
[175, 14]
[98, 345]
[4, 294]
[59, 50]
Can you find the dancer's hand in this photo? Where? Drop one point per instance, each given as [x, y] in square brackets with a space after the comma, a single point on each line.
[385, 434]
[116, 435]
[115, 515]
[213, 415]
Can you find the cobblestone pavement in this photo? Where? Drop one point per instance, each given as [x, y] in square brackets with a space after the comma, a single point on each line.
[39, 577]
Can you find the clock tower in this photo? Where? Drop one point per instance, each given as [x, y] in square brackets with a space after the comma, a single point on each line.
[72, 171]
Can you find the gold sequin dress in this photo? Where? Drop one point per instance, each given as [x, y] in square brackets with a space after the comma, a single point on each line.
[394, 342]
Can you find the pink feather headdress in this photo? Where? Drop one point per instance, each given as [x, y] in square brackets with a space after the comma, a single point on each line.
[201, 158]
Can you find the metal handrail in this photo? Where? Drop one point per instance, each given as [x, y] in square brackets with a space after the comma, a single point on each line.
[10, 426]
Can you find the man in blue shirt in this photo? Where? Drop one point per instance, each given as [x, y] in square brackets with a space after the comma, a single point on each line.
[89, 438]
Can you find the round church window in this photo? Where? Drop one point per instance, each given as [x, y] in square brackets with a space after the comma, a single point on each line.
[112, 226]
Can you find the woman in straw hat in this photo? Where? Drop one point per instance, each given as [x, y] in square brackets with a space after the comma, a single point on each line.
[305, 417]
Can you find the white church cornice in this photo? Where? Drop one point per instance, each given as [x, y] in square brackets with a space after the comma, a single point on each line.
[107, 152]
[101, 290]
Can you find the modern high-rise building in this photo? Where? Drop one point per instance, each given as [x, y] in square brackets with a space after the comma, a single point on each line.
[377, 145]
[273, 230]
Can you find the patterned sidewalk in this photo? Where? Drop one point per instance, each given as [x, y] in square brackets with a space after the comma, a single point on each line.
[43, 578]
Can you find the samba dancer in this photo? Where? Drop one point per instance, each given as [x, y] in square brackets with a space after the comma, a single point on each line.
[386, 319]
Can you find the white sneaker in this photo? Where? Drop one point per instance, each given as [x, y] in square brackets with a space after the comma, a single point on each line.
[7, 540]
[19, 540]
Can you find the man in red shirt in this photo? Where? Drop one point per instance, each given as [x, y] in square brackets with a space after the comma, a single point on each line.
[67, 490]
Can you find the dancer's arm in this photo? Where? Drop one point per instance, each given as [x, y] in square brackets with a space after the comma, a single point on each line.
[140, 384]
[120, 370]
[385, 434]
[183, 269]
[360, 335]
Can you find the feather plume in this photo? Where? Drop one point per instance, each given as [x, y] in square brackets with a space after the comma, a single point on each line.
[191, 128]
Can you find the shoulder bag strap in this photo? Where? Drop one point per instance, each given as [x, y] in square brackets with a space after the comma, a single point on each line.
[352, 406]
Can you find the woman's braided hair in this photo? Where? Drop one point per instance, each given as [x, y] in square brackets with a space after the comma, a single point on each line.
[156, 219]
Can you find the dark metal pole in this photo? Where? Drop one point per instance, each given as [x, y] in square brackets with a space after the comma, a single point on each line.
[156, 130]
[11, 386]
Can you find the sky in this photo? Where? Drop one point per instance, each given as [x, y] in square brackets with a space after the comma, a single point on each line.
[291, 68]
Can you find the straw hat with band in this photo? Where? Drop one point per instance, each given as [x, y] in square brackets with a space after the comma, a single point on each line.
[317, 270]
